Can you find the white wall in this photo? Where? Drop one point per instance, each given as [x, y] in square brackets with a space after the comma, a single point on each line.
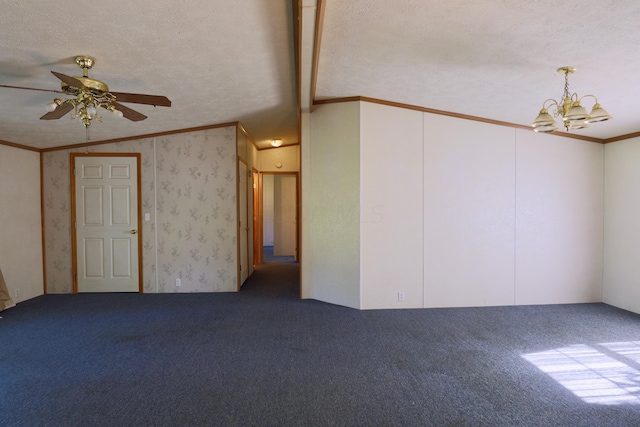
[288, 157]
[267, 210]
[391, 219]
[469, 213]
[332, 264]
[20, 223]
[304, 250]
[622, 224]
[559, 231]
[504, 216]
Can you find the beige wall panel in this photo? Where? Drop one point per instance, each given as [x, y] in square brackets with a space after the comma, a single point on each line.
[20, 223]
[622, 224]
[469, 213]
[332, 267]
[287, 157]
[391, 203]
[559, 246]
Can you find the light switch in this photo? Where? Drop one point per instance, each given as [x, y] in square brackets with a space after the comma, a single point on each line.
[147, 216]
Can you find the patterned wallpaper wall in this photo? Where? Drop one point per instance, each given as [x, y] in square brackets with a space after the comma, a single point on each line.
[189, 190]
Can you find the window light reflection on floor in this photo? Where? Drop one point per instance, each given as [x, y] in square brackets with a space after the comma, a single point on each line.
[607, 374]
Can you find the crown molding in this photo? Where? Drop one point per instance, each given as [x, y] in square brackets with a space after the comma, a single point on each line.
[24, 147]
[133, 138]
[451, 114]
[622, 137]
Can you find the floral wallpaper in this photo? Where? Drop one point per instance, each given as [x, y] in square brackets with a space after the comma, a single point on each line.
[188, 190]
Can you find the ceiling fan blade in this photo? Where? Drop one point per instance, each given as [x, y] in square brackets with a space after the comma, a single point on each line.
[60, 111]
[136, 98]
[128, 113]
[32, 88]
[70, 81]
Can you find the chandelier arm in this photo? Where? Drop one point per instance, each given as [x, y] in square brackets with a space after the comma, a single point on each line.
[553, 102]
[589, 96]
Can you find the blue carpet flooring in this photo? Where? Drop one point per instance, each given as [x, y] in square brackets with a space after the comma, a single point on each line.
[263, 357]
[270, 257]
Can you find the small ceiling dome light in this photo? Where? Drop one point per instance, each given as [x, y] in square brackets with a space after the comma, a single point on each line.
[573, 114]
[276, 142]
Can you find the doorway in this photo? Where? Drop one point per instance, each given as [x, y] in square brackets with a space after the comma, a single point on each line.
[105, 215]
[278, 217]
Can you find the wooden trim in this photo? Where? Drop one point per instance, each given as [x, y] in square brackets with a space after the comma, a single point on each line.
[298, 28]
[282, 146]
[261, 219]
[257, 227]
[133, 138]
[74, 249]
[300, 209]
[450, 114]
[249, 137]
[238, 160]
[622, 137]
[24, 147]
[42, 227]
[140, 224]
[296, 7]
[316, 50]
[239, 224]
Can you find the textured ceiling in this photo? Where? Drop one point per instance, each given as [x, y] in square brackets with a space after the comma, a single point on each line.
[218, 61]
[495, 59]
[222, 61]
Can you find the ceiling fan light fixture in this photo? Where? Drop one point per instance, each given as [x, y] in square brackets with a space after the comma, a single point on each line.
[51, 106]
[89, 95]
[570, 110]
[92, 111]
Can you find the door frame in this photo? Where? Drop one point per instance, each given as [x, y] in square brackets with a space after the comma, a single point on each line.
[257, 211]
[74, 249]
[239, 223]
[261, 219]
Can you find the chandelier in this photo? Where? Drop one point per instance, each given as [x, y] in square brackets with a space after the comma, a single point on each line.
[573, 114]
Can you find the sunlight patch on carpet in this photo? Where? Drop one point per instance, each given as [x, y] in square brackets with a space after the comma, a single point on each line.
[607, 374]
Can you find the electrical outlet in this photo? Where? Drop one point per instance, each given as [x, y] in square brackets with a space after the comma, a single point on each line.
[178, 283]
[17, 293]
[400, 296]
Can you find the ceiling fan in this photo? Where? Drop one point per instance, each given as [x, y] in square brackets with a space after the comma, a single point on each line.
[88, 95]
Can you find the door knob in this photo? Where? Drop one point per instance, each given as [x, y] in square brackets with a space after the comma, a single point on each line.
[133, 231]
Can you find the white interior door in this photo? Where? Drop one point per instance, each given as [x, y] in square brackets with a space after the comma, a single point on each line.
[106, 195]
[284, 202]
[243, 222]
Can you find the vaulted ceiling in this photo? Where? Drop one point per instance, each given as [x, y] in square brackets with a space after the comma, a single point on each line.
[220, 61]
